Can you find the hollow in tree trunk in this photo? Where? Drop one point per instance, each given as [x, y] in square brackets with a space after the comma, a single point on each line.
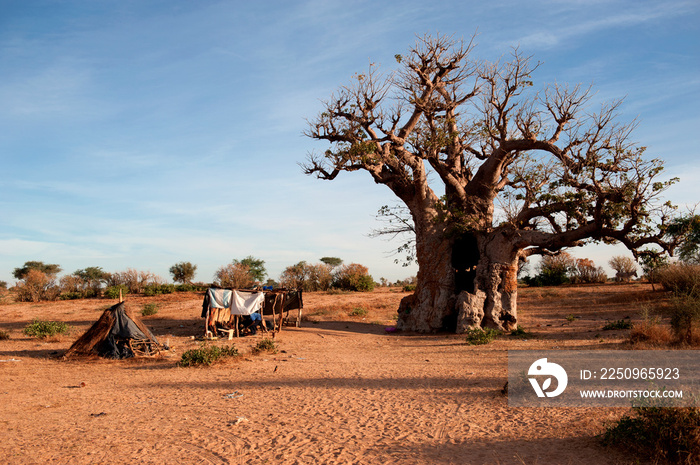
[470, 282]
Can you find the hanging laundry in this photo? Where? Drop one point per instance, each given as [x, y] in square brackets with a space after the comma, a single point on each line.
[219, 298]
[245, 303]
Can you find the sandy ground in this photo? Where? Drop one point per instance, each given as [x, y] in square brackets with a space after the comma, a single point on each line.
[339, 390]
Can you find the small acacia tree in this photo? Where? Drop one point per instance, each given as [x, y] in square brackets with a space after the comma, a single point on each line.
[234, 275]
[332, 261]
[183, 272]
[319, 277]
[92, 278]
[50, 270]
[452, 137]
[256, 267]
[295, 276]
[685, 231]
[308, 277]
[652, 262]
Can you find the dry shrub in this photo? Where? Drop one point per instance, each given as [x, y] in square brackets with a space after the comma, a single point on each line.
[623, 264]
[37, 286]
[587, 272]
[668, 435]
[294, 277]
[234, 275]
[680, 278]
[685, 313]
[650, 332]
[134, 280]
[310, 278]
[71, 284]
[320, 277]
[684, 281]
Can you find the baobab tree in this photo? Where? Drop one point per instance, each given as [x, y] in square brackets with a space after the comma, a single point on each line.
[454, 139]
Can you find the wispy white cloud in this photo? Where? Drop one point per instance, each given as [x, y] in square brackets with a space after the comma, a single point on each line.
[562, 22]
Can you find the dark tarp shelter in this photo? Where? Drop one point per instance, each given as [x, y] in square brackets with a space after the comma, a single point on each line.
[117, 334]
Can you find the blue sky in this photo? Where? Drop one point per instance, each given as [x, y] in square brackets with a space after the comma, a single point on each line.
[138, 134]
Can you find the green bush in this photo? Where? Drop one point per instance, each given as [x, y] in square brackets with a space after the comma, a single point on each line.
[71, 295]
[4, 335]
[158, 289]
[358, 311]
[206, 355]
[618, 324]
[353, 277]
[409, 288]
[149, 309]
[521, 333]
[191, 287]
[365, 284]
[547, 278]
[265, 345]
[151, 290]
[112, 292]
[42, 329]
[478, 336]
[554, 270]
[668, 434]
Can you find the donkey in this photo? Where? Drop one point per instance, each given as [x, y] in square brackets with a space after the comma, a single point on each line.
[625, 276]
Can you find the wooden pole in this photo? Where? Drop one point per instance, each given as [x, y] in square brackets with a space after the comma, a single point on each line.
[274, 316]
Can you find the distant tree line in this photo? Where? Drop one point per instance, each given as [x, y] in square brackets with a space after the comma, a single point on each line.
[38, 280]
[329, 274]
[683, 231]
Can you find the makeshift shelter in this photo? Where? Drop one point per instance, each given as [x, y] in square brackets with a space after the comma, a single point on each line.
[223, 308]
[293, 300]
[117, 334]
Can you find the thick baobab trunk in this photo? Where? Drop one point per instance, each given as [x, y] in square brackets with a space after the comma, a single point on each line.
[432, 306]
[493, 301]
[464, 282]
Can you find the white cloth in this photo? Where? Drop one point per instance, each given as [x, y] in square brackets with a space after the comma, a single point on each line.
[245, 303]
